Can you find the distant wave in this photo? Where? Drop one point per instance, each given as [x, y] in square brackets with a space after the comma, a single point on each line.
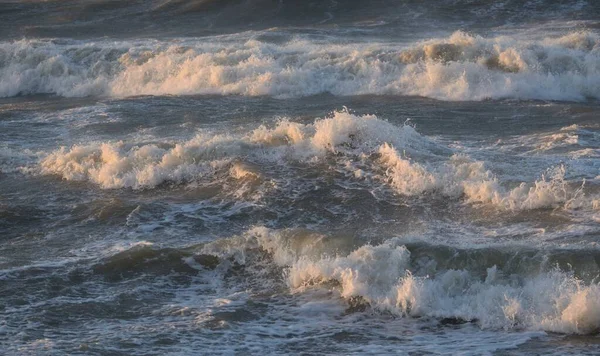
[460, 67]
[98, 18]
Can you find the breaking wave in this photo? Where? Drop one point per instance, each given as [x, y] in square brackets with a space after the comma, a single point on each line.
[388, 278]
[460, 67]
[365, 149]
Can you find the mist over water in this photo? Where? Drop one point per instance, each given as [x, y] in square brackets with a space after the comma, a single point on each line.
[325, 177]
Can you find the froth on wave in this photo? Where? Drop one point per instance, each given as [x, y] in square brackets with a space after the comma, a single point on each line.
[365, 149]
[387, 278]
[460, 67]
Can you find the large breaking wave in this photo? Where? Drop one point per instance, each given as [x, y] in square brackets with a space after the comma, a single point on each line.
[460, 67]
[365, 149]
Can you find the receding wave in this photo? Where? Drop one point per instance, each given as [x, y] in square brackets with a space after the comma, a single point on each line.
[461, 67]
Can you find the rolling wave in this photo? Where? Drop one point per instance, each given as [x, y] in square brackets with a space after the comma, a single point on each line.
[365, 149]
[460, 67]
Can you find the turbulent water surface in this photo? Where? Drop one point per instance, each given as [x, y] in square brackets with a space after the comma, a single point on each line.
[299, 177]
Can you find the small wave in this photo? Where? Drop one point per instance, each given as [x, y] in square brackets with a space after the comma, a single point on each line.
[461, 67]
[462, 176]
[575, 140]
[148, 260]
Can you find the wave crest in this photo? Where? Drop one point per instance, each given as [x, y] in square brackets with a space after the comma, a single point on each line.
[364, 148]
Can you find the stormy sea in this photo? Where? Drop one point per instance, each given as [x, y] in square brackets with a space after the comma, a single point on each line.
[299, 177]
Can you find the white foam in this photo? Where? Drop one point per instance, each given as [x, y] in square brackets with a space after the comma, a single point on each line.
[461, 176]
[460, 67]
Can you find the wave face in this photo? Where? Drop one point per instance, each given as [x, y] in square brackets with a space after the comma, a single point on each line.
[460, 67]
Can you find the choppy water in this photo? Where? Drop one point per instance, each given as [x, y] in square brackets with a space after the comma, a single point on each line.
[328, 177]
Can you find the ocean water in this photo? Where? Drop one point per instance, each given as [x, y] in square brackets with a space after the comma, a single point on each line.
[183, 177]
